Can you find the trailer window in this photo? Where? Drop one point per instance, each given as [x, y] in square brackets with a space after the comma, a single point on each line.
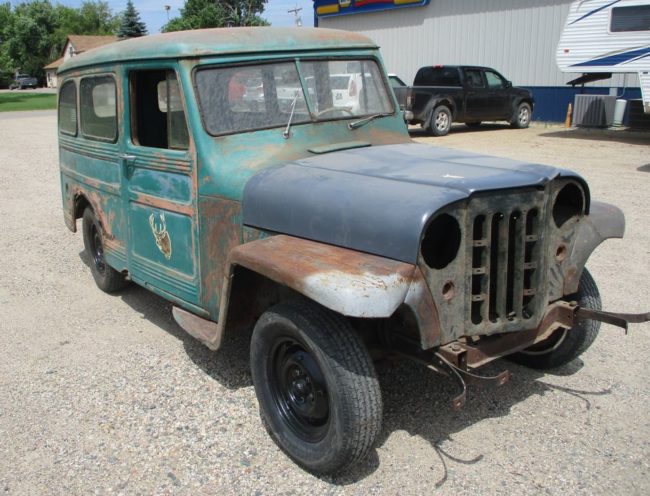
[68, 109]
[98, 108]
[634, 18]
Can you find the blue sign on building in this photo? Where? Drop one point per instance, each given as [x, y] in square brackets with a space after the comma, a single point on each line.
[327, 8]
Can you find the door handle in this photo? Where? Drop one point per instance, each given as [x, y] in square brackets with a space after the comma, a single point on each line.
[127, 164]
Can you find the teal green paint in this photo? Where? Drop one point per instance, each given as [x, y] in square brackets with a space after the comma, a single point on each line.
[206, 42]
[212, 167]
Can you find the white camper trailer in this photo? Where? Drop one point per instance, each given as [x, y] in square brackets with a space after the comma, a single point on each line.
[605, 37]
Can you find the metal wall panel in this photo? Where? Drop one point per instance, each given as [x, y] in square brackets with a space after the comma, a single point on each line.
[516, 37]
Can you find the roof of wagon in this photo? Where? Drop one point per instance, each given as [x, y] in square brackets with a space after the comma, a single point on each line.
[220, 41]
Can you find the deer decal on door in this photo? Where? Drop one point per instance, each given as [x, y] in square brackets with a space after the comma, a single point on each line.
[163, 242]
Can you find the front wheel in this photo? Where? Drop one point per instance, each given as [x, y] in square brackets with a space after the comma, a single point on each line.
[316, 385]
[521, 118]
[565, 345]
[440, 122]
[106, 277]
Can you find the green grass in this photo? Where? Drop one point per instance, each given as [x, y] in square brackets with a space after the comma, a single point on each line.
[24, 100]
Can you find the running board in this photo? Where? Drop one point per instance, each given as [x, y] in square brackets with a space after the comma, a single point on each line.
[202, 329]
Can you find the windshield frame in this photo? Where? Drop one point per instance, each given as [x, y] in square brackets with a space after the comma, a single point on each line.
[296, 60]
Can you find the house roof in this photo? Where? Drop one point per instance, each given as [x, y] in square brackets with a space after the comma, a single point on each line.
[220, 41]
[55, 64]
[82, 42]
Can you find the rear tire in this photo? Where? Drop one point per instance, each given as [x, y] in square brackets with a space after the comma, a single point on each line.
[523, 114]
[440, 122]
[316, 385]
[106, 277]
[565, 345]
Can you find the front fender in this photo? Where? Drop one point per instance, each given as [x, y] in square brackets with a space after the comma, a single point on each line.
[351, 283]
[604, 221]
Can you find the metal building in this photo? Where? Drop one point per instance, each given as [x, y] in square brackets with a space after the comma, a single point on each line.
[516, 37]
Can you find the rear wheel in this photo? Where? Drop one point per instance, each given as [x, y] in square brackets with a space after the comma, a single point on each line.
[565, 345]
[440, 122]
[106, 277]
[316, 385]
[522, 116]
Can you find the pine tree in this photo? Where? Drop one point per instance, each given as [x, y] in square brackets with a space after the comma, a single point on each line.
[131, 26]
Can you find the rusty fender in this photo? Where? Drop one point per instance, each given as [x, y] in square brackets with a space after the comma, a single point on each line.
[348, 282]
[603, 222]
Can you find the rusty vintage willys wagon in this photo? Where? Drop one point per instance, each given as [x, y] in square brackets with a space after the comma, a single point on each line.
[265, 177]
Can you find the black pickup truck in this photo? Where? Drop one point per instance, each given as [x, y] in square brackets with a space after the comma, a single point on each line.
[443, 94]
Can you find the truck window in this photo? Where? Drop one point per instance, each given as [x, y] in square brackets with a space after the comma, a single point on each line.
[437, 76]
[68, 108]
[634, 18]
[98, 108]
[235, 99]
[157, 115]
[494, 81]
[474, 79]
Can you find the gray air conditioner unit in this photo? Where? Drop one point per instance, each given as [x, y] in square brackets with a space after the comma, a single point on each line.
[594, 110]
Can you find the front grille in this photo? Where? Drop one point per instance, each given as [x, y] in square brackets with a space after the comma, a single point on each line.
[507, 261]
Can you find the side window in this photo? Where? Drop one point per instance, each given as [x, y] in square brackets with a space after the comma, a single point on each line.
[494, 81]
[474, 79]
[633, 18]
[98, 108]
[68, 108]
[157, 115]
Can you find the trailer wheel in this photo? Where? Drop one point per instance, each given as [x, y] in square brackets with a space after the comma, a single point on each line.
[316, 385]
[440, 122]
[522, 116]
[565, 345]
[106, 277]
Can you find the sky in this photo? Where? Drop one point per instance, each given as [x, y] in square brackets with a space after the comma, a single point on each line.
[152, 12]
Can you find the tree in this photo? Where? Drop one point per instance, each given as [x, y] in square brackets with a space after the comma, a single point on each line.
[131, 26]
[199, 14]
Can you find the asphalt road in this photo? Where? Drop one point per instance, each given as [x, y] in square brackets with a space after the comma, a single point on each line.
[105, 394]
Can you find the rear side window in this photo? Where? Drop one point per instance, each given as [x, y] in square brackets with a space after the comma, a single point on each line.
[437, 76]
[68, 109]
[474, 78]
[634, 18]
[98, 104]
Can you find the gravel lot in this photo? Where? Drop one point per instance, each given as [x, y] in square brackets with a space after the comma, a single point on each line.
[105, 394]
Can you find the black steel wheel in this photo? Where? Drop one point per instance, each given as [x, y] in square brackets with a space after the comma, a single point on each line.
[106, 277]
[316, 385]
[565, 345]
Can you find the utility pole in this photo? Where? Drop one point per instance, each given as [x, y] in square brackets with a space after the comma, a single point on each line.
[167, 7]
[297, 18]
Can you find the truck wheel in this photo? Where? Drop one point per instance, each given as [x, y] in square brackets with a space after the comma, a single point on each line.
[316, 385]
[565, 345]
[440, 122]
[106, 277]
[521, 119]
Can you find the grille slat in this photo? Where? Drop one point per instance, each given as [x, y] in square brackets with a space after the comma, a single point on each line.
[507, 261]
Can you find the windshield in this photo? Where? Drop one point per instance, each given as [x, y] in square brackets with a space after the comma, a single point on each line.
[246, 98]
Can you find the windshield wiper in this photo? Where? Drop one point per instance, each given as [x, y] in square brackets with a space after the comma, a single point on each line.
[286, 133]
[361, 122]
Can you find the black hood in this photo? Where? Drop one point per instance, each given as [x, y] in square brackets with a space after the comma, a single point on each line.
[377, 199]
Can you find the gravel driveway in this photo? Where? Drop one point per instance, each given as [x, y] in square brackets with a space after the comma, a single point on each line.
[105, 394]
